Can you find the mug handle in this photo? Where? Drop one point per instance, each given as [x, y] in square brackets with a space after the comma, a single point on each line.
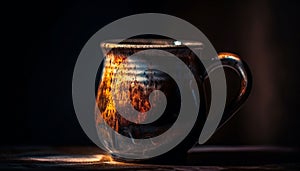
[233, 61]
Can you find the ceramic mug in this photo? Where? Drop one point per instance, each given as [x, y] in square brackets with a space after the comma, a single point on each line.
[133, 83]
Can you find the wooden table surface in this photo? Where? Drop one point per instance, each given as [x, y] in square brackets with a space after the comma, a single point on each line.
[199, 158]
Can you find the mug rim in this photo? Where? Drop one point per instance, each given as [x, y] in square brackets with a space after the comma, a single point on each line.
[142, 43]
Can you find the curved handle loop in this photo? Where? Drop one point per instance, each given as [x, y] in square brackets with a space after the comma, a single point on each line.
[233, 61]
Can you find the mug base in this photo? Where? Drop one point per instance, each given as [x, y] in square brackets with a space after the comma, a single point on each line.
[166, 159]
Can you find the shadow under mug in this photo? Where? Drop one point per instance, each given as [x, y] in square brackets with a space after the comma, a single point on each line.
[142, 82]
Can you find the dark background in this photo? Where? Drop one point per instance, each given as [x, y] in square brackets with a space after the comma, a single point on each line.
[42, 40]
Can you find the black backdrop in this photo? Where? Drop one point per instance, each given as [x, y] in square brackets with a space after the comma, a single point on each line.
[41, 42]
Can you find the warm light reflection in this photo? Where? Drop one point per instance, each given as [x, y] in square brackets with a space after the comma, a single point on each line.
[99, 158]
[107, 159]
[120, 73]
[104, 96]
[223, 55]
